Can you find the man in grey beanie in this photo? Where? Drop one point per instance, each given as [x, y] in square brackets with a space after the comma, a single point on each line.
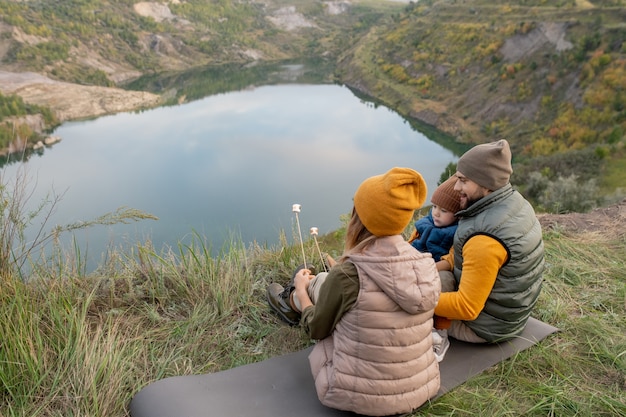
[493, 274]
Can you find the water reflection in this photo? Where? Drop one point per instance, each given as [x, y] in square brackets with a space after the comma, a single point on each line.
[229, 163]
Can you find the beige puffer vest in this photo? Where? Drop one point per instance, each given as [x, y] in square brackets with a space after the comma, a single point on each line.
[379, 360]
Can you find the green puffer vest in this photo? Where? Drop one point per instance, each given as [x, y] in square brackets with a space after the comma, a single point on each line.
[507, 217]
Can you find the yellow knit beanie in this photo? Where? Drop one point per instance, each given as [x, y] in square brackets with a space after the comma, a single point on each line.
[385, 203]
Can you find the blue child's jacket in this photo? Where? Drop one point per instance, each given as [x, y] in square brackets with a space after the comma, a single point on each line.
[433, 239]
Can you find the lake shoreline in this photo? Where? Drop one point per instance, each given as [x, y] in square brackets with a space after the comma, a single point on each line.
[219, 165]
[69, 101]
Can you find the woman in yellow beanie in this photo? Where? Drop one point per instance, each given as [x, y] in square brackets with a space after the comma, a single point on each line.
[372, 313]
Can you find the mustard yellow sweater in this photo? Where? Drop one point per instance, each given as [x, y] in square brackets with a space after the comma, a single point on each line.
[483, 257]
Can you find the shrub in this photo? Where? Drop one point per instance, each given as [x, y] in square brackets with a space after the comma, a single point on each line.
[448, 171]
[536, 185]
[616, 135]
[583, 163]
[567, 194]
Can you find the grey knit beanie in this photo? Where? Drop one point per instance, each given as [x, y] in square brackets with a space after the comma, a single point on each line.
[488, 165]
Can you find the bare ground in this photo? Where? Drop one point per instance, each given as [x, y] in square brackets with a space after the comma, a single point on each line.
[607, 221]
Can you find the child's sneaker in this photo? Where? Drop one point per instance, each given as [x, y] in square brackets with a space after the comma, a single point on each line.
[440, 343]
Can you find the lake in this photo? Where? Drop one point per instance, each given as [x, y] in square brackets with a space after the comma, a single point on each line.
[227, 165]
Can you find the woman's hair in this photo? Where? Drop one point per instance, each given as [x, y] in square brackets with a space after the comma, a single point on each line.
[357, 236]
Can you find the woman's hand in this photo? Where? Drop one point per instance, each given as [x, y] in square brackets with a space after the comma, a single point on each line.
[301, 282]
[302, 278]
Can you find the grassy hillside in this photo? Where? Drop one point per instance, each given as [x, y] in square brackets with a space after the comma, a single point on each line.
[85, 345]
[550, 76]
[112, 42]
[103, 42]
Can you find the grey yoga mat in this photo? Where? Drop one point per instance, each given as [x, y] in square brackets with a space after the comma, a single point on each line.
[283, 386]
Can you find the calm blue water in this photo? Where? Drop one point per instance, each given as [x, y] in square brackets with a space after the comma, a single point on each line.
[227, 165]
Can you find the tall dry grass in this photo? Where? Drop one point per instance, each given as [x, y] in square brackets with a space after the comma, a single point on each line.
[76, 344]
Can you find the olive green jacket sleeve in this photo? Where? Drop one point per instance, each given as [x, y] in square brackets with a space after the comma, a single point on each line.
[337, 296]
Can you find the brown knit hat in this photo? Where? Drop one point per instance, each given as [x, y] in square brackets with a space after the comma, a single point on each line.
[385, 203]
[488, 165]
[446, 197]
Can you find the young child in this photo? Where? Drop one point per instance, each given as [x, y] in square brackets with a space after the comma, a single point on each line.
[434, 233]
[373, 311]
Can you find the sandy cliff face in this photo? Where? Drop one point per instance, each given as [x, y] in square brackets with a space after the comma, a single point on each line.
[73, 101]
[68, 101]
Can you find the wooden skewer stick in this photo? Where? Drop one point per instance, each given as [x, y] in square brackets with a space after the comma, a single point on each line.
[296, 209]
[314, 233]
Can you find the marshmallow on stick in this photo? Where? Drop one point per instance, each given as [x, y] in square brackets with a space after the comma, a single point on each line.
[314, 233]
[296, 208]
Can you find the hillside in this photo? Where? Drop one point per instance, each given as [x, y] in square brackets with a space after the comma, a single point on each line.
[84, 345]
[107, 42]
[74, 56]
[548, 75]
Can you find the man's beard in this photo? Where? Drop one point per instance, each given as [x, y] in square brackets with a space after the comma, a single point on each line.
[467, 201]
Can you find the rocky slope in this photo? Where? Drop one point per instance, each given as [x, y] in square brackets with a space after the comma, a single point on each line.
[548, 75]
[480, 71]
[172, 42]
[73, 101]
